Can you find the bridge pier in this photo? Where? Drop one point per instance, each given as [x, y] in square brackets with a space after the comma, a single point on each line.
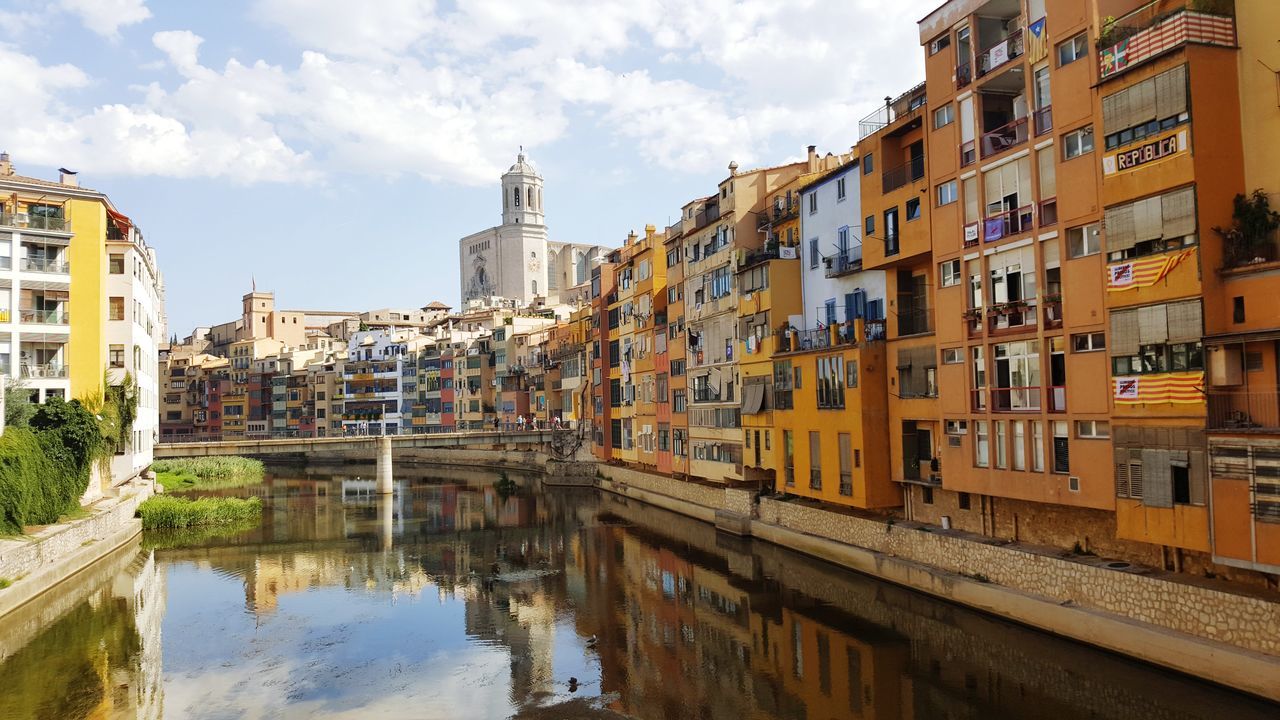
[383, 452]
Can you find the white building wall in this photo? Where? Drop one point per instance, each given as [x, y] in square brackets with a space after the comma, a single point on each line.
[139, 335]
[823, 226]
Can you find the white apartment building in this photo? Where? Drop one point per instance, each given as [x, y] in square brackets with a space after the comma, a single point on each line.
[133, 337]
[835, 287]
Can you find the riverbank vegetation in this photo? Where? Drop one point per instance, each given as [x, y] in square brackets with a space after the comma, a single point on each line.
[207, 473]
[46, 462]
[168, 511]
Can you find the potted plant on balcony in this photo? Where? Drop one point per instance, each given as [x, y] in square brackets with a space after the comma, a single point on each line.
[973, 314]
[1052, 299]
[1251, 237]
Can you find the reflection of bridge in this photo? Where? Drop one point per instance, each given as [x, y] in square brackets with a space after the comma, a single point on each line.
[362, 447]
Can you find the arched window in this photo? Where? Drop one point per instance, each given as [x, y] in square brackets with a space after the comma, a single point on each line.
[535, 287]
[539, 199]
[581, 269]
[515, 192]
[530, 198]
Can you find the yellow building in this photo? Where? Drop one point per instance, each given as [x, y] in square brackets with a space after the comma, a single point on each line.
[649, 300]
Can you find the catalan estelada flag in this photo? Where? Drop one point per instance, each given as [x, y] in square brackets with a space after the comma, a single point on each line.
[1143, 273]
[1037, 42]
[1179, 388]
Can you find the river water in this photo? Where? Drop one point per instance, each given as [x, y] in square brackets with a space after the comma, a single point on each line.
[452, 600]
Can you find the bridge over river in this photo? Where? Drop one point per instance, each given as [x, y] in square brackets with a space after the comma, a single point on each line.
[364, 447]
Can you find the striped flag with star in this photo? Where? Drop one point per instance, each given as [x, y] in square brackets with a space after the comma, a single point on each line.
[1178, 388]
[1037, 41]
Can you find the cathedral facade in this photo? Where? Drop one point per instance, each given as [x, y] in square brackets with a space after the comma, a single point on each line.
[515, 262]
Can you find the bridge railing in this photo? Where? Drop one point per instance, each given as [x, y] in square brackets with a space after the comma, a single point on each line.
[480, 435]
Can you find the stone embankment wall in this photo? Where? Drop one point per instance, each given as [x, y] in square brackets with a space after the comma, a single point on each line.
[1242, 620]
[35, 563]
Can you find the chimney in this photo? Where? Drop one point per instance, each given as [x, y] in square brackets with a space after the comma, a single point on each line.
[813, 158]
[733, 168]
[6, 167]
[649, 230]
[68, 177]
[631, 238]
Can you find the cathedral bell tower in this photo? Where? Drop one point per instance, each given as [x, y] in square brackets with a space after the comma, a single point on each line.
[522, 195]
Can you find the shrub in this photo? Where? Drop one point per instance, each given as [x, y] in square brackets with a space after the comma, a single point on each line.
[207, 473]
[38, 481]
[167, 511]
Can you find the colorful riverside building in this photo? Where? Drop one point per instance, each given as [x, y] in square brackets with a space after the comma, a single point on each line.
[650, 308]
[829, 370]
[673, 401]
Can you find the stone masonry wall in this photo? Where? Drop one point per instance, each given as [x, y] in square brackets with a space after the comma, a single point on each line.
[21, 556]
[1240, 620]
[704, 495]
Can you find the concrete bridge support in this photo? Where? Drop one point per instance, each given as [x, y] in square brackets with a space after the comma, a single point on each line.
[384, 465]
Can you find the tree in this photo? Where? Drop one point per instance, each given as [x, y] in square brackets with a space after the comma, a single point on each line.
[18, 407]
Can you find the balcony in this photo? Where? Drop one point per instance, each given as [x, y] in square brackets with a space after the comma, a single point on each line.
[1016, 316]
[1006, 136]
[1052, 312]
[47, 371]
[1043, 120]
[915, 321]
[972, 234]
[1048, 212]
[821, 338]
[1015, 399]
[1007, 223]
[1245, 256]
[45, 316]
[1247, 410]
[908, 172]
[44, 265]
[846, 261]
[1154, 29]
[893, 110]
[25, 221]
[964, 75]
[998, 55]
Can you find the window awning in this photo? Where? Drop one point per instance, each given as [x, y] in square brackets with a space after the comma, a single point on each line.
[753, 399]
[122, 221]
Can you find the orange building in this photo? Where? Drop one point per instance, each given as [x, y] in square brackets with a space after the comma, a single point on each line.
[673, 434]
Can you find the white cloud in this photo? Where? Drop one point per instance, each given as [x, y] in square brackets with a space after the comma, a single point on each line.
[404, 87]
[106, 17]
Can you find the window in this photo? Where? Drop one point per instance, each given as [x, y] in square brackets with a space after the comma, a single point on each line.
[678, 401]
[947, 193]
[913, 209]
[851, 374]
[1237, 309]
[815, 460]
[950, 271]
[846, 464]
[115, 356]
[1145, 109]
[1153, 225]
[1093, 429]
[869, 226]
[813, 203]
[940, 44]
[952, 356]
[1088, 342]
[981, 444]
[814, 256]
[1084, 240]
[116, 305]
[1061, 454]
[116, 264]
[840, 193]
[1002, 446]
[944, 116]
[782, 399]
[1077, 142]
[956, 427]
[788, 444]
[796, 379]
[868, 165]
[1073, 49]
[831, 382]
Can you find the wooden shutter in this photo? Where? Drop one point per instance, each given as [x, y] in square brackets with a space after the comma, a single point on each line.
[1147, 219]
[1119, 226]
[1124, 332]
[1171, 92]
[1114, 110]
[1142, 103]
[1178, 212]
[1153, 325]
[1157, 482]
[1122, 476]
[1048, 173]
[1197, 476]
[1186, 322]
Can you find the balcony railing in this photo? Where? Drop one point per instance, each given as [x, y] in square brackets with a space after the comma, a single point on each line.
[1256, 410]
[1057, 398]
[45, 317]
[896, 177]
[915, 321]
[1238, 253]
[845, 261]
[48, 371]
[1161, 28]
[1011, 317]
[1043, 119]
[45, 265]
[1006, 136]
[25, 221]
[1007, 223]
[1052, 314]
[1048, 212]
[964, 75]
[1015, 399]
[972, 234]
[892, 111]
[815, 338]
[1002, 52]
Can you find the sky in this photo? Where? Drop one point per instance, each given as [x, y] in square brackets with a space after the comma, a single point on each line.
[334, 152]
